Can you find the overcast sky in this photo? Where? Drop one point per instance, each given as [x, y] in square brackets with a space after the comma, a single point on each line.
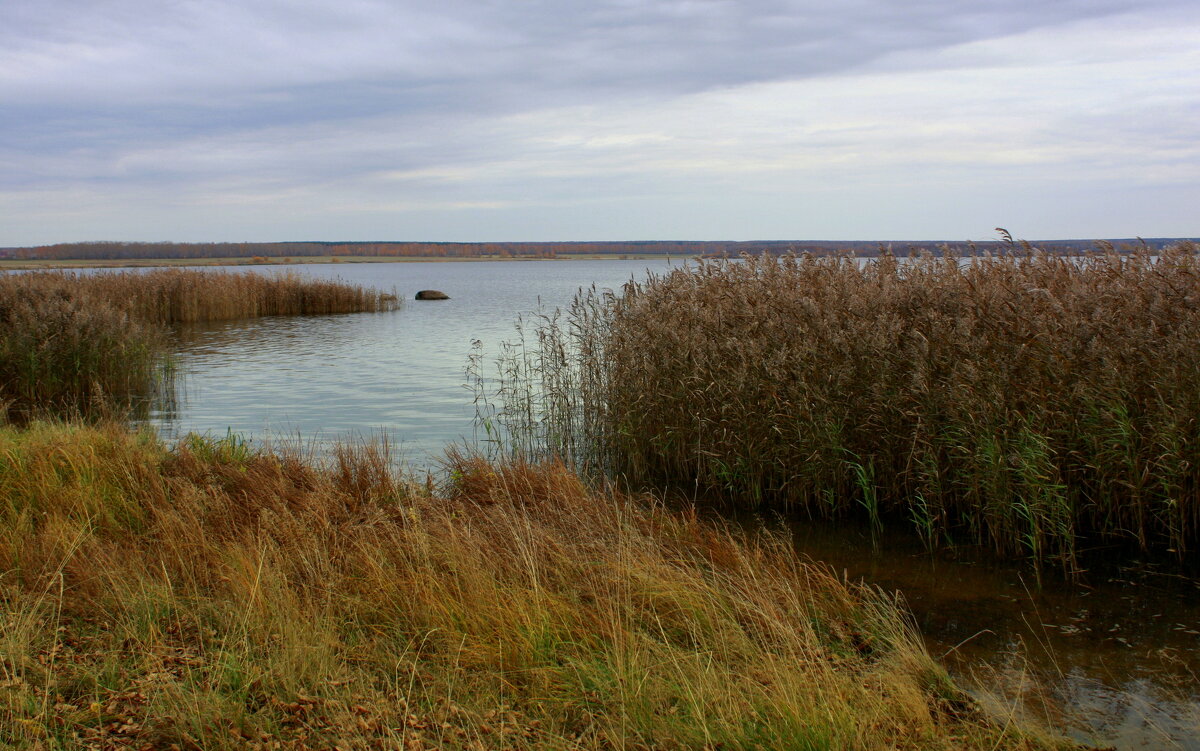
[464, 120]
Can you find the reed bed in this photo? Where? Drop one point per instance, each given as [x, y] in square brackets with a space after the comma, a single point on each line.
[212, 596]
[64, 354]
[86, 343]
[1036, 404]
[170, 296]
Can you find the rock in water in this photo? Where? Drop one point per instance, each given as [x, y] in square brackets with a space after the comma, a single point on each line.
[432, 294]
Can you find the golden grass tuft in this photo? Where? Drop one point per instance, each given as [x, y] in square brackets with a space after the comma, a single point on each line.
[212, 596]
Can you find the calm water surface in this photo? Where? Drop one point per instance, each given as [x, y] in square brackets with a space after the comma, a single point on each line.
[399, 374]
[1113, 658]
[1121, 649]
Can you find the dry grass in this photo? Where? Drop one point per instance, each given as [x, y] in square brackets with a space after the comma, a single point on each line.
[62, 353]
[1028, 402]
[212, 597]
[182, 296]
[86, 343]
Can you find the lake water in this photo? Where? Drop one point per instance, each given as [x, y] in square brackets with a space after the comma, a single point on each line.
[1120, 649]
[399, 374]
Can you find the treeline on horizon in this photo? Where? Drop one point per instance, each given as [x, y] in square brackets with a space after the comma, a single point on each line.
[149, 250]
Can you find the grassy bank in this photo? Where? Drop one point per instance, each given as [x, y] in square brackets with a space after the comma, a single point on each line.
[78, 343]
[209, 596]
[1032, 403]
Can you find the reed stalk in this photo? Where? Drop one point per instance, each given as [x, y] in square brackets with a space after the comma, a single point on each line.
[1032, 403]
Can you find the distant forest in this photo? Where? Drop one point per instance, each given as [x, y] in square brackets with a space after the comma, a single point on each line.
[142, 250]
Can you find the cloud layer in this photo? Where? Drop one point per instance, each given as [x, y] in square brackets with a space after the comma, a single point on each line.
[366, 119]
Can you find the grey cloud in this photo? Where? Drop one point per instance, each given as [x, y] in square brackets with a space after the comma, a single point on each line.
[77, 74]
[502, 53]
[271, 97]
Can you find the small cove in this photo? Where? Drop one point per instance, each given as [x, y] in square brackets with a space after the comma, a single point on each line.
[400, 374]
[1119, 646]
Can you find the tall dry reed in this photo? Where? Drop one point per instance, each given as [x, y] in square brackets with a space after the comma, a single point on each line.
[183, 296]
[66, 354]
[209, 596]
[1033, 403]
[82, 343]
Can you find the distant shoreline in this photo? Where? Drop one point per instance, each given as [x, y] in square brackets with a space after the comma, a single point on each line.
[118, 254]
[135, 255]
[26, 264]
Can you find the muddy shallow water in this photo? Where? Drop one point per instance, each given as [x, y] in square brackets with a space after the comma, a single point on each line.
[1113, 657]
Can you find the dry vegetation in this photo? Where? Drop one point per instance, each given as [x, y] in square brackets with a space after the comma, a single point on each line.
[212, 596]
[1032, 403]
[209, 596]
[183, 296]
[82, 342]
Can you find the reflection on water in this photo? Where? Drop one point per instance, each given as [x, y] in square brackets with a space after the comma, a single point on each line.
[1119, 649]
[325, 378]
[1113, 657]
[397, 374]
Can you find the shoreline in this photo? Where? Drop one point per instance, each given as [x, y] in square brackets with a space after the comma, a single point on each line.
[23, 264]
